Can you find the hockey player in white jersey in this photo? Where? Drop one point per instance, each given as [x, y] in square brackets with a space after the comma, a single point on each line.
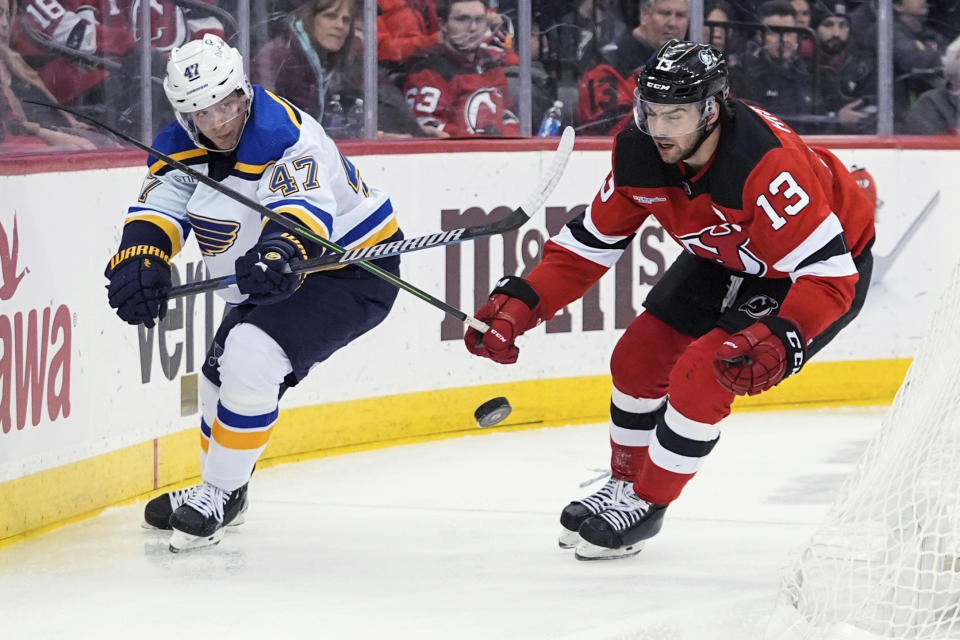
[279, 324]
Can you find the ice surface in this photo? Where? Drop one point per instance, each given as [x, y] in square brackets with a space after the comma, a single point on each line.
[451, 539]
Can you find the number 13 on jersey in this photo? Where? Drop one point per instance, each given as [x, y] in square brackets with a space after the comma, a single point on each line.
[797, 199]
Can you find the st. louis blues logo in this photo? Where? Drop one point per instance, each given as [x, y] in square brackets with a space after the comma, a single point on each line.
[214, 236]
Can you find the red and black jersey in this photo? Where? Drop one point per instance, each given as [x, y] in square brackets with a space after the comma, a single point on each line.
[103, 28]
[766, 205]
[460, 96]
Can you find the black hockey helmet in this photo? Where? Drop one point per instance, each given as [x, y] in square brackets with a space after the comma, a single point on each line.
[683, 72]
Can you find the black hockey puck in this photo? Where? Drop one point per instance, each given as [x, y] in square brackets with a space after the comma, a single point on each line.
[492, 412]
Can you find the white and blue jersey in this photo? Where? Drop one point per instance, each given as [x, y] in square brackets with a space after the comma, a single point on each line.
[285, 161]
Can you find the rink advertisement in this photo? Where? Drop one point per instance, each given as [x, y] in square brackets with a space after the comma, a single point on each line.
[95, 411]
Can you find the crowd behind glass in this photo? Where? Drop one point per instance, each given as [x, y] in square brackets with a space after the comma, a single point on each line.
[461, 68]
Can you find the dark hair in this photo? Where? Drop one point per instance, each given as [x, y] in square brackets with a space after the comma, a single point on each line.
[443, 7]
[718, 4]
[776, 8]
[820, 11]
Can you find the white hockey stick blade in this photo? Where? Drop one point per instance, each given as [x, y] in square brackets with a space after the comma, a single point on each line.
[553, 174]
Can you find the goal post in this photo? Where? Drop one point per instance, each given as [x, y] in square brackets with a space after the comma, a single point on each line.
[885, 563]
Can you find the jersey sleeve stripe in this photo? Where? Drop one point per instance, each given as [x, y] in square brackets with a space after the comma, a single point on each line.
[834, 267]
[836, 247]
[823, 236]
[605, 256]
[585, 233]
[372, 223]
[591, 228]
[173, 228]
[318, 220]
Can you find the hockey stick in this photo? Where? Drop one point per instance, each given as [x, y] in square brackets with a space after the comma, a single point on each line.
[882, 264]
[517, 218]
[280, 220]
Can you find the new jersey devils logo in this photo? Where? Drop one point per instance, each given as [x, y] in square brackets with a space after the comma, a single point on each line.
[759, 306]
[725, 244]
[482, 112]
[9, 252]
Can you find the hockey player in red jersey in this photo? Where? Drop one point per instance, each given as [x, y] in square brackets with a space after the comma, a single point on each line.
[459, 87]
[776, 237]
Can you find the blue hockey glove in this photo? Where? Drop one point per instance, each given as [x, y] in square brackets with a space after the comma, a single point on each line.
[263, 273]
[139, 281]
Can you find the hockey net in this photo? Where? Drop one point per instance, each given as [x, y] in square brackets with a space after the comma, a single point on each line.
[886, 561]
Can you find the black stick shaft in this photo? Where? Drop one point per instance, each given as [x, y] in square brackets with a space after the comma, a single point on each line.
[282, 221]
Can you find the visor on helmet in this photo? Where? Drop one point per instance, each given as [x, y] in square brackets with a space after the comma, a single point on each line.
[203, 75]
[671, 120]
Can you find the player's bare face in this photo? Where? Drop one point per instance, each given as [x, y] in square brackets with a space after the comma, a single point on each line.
[223, 122]
[466, 26]
[332, 25]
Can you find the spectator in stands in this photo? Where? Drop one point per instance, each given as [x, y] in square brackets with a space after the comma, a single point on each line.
[772, 75]
[87, 51]
[848, 74]
[944, 16]
[404, 28]
[18, 130]
[606, 90]
[802, 8]
[543, 85]
[458, 87]
[320, 57]
[807, 45]
[917, 49]
[717, 11]
[579, 35]
[937, 111]
[917, 53]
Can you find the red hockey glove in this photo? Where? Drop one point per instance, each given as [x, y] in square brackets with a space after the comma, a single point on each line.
[513, 307]
[760, 356]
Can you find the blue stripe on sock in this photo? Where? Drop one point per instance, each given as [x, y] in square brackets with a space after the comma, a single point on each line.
[239, 421]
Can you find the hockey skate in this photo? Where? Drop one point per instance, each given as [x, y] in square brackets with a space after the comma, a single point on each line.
[156, 515]
[200, 520]
[619, 530]
[575, 513]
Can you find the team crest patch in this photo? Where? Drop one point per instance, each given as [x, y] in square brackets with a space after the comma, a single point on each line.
[759, 306]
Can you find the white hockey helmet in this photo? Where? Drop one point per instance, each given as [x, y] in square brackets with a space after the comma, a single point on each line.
[200, 74]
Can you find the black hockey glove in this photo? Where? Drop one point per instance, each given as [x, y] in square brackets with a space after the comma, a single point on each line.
[263, 273]
[139, 282]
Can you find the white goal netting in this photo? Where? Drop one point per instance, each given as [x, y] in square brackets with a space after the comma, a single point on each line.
[886, 561]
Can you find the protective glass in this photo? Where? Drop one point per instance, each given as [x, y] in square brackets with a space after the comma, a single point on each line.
[671, 120]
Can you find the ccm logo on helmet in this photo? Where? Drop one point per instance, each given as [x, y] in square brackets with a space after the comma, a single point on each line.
[657, 85]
